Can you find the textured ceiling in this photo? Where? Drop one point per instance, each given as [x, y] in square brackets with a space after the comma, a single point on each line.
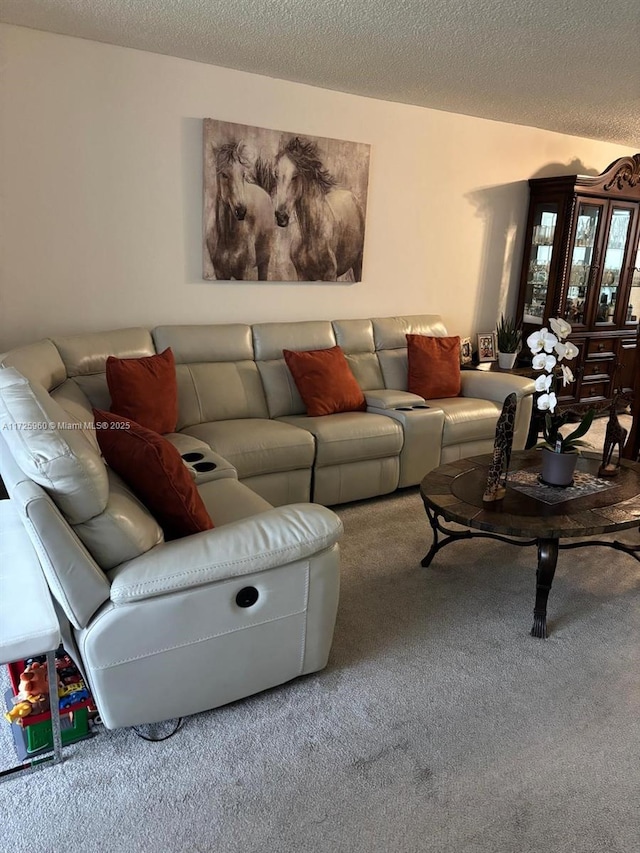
[567, 65]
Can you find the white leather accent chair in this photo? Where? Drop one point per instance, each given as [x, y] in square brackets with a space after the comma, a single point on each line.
[165, 629]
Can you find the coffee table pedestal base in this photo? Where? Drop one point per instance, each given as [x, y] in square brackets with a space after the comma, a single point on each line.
[547, 562]
[547, 559]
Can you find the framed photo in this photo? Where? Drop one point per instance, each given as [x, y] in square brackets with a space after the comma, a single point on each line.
[487, 350]
[466, 351]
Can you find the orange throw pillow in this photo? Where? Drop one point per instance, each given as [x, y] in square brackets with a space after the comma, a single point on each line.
[145, 390]
[153, 469]
[434, 366]
[325, 381]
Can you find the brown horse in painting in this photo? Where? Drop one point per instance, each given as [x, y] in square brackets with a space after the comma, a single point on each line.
[240, 241]
[331, 222]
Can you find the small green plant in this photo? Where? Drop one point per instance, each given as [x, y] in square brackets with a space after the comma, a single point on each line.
[509, 335]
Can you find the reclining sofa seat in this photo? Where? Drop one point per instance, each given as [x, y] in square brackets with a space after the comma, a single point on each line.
[154, 626]
[357, 453]
[221, 402]
[468, 421]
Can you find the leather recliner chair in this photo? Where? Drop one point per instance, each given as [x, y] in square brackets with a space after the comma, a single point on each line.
[165, 629]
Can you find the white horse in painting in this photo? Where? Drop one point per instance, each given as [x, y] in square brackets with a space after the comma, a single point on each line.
[331, 223]
[240, 241]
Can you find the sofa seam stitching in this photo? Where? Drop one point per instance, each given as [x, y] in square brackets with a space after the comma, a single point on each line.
[205, 638]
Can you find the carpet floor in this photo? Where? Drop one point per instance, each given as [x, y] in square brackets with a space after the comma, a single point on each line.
[439, 725]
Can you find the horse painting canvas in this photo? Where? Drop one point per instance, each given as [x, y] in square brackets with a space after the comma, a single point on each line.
[282, 206]
[330, 239]
[240, 242]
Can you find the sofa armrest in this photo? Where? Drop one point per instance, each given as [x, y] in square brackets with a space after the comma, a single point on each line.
[264, 541]
[494, 386]
[387, 398]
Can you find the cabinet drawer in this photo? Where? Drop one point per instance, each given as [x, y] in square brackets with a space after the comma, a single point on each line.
[595, 390]
[600, 347]
[601, 367]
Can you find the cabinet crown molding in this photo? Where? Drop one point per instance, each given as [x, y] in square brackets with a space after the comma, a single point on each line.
[626, 170]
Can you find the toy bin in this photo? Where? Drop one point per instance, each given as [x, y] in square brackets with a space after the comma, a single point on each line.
[34, 732]
[73, 726]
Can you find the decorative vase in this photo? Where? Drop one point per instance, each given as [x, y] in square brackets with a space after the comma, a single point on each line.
[506, 360]
[558, 468]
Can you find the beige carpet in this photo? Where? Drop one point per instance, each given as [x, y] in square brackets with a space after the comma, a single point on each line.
[439, 726]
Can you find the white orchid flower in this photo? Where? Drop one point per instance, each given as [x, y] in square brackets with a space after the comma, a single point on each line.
[535, 340]
[543, 339]
[566, 350]
[547, 402]
[567, 375]
[560, 327]
[542, 361]
[543, 382]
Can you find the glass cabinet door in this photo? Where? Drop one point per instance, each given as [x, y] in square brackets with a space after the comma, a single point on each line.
[633, 305]
[545, 216]
[583, 259]
[612, 265]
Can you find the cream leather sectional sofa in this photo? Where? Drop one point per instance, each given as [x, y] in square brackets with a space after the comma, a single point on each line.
[162, 629]
[237, 398]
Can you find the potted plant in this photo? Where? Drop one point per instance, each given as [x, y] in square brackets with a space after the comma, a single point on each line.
[508, 335]
[560, 452]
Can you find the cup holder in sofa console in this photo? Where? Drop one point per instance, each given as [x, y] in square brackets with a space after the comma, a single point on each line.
[204, 466]
[409, 408]
[199, 466]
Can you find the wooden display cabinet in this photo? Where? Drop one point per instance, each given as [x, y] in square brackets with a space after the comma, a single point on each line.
[582, 262]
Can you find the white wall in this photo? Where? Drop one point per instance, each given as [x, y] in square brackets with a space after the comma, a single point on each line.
[101, 181]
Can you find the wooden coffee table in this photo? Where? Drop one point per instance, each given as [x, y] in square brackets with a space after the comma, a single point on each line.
[453, 493]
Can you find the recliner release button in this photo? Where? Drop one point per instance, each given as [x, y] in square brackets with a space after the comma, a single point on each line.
[247, 596]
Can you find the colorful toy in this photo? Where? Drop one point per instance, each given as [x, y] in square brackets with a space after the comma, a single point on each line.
[72, 687]
[74, 698]
[19, 710]
[33, 681]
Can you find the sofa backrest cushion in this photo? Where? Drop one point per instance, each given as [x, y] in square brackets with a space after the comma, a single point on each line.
[49, 450]
[325, 381]
[206, 344]
[145, 390]
[390, 335]
[217, 377]
[355, 337]
[84, 355]
[154, 470]
[85, 358]
[39, 362]
[269, 342]
[124, 530]
[77, 408]
[434, 366]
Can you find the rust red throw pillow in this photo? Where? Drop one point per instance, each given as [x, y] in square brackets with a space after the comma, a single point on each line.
[434, 366]
[325, 381]
[145, 390]
[153, 469]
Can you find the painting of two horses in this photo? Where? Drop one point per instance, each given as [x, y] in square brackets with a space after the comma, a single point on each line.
[282, 206]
